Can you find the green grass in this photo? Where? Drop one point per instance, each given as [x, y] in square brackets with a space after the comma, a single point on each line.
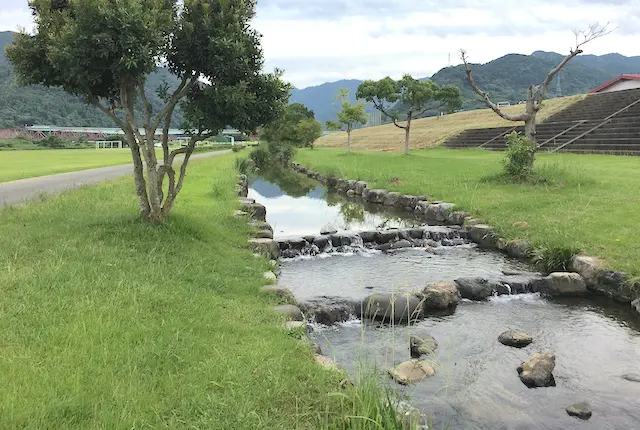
[28, 164]
[588, 202]
[110, 323]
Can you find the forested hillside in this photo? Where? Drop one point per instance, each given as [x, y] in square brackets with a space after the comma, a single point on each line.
[51, 106]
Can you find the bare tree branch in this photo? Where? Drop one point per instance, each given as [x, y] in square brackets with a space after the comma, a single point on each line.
[187, 82]
[147, 105]
[593, 31]
[485, 97]
[377, 103]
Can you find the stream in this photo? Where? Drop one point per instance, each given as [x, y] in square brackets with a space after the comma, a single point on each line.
[476, 385]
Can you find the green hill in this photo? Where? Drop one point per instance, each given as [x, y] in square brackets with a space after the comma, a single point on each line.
[52, 106]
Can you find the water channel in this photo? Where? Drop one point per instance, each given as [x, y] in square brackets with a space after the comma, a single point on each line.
[476, 384]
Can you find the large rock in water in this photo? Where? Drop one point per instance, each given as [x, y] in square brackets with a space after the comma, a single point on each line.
[580, 410]
[391, 199]
[562, 284]
[422, 344]
[478, 289]
[388, 308]
[411, 371]
[328, 310]
[515, 338]
[360, 187]
[537, 371]
[440, 295]
[520, 249]
[484, 235]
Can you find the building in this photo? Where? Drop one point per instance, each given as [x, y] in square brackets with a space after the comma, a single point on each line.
[622, 82]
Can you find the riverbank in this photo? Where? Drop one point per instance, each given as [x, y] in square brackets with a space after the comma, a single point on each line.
[107, 322]
[589, 202]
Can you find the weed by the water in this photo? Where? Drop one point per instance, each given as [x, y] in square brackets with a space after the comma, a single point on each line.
[552, 258]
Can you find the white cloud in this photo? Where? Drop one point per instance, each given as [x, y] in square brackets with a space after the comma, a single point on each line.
[323, 40]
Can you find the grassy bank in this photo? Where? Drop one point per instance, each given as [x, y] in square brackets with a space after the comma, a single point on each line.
[28, 164]
[591, 201]
[106, 322]
[430, 132]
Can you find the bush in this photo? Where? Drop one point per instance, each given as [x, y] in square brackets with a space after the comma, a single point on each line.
[260, 156]
[521, 154]
[51, 142]
[551, 259]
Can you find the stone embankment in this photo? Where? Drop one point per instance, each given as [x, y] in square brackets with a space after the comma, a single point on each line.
[595, 276]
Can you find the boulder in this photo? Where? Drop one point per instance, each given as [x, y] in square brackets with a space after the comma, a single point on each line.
[562, 284]
[391, 199]
[407, 202]
[360, 186]
[537, 371]
[291, 312]
[515, 338]
[421, 207]
[298, 243]
[411, 371]
[263, 234]
[520, 249]
[257, 211]
[328, 363]
[484, 235]
[614, 285]
[477, 288]
[341, 240]
[341, 184]
[322, 242]
[439, 211]
[580, 410]
[368, 236]
[632, 377]
[281, 292]
[635, 305]
[587, 267]
[351, 193]
[328, 310]
[401, 244]
[262, 225]
[386, 236]
[456, 217]
[440, 295]
[422, 344]
[268, 247]
[387, 308]
[376, 196]
[270, 276]
[415, 233]
[328, 229]
[519, 284]
[351, 185]
[431, 243]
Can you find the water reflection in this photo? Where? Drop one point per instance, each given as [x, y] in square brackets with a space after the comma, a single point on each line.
[297, 206]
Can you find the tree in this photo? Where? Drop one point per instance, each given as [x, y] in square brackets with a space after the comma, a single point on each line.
[537, 93]
[414, 97]
[296, 127]
[104, 51]
[349, 116]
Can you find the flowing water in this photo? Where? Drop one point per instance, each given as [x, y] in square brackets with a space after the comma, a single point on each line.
[476, 384]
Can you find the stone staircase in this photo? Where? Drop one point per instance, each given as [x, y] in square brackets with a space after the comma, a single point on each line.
[607, 123]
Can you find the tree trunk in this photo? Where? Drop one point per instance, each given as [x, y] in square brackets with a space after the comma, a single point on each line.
[348, 142]
[138, 175]
[407, 133]
[530, 133]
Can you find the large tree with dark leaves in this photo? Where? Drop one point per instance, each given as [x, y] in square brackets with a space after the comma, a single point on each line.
[104, 50]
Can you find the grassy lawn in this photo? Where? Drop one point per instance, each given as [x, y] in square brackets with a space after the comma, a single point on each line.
[591, 203]
[109, 323]
[430, 132]
[28, 164]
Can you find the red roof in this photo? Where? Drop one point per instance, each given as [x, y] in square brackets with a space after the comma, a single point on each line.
[626, 77]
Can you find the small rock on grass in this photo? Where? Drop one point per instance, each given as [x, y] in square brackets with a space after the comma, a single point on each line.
[580, 410]
[328, 363]
[270, 276]
[291, 312]
[515, 338]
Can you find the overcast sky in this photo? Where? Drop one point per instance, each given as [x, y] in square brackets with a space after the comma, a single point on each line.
[316, 41]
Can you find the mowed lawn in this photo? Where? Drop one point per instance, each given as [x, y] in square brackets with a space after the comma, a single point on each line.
[27, 164]
[431, 132]
[110, 323]
[592, 201]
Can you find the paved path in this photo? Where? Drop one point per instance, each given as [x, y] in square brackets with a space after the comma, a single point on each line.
[26, 189]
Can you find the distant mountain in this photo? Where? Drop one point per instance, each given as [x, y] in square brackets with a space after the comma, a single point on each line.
[505, 79]
[322, 99]
[52, 106]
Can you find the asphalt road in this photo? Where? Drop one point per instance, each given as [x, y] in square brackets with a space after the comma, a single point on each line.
[27, 189]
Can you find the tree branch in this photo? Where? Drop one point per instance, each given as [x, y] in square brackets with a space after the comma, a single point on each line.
[377, 103]
[94, 101]
[583, 37]
[147, 104]
[485, 97]
[186, 84]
